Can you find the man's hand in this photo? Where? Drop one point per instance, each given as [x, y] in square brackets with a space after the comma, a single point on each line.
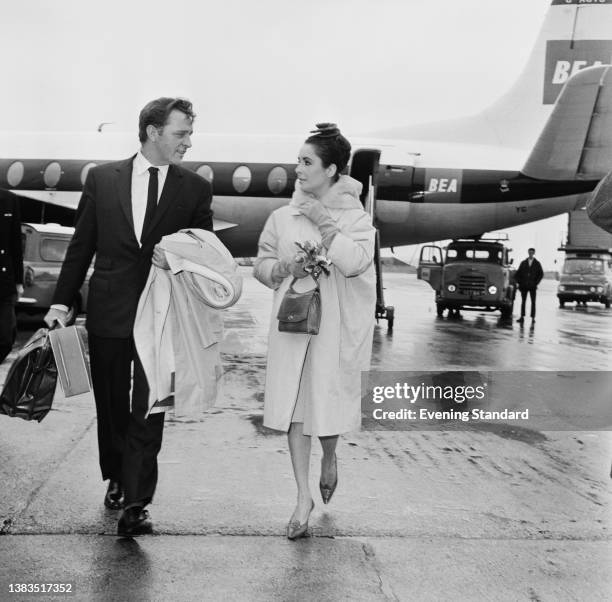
[19, 290]
[159, 258]
[56, 315]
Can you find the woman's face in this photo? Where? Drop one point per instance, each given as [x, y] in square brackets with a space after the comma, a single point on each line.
[311, 175]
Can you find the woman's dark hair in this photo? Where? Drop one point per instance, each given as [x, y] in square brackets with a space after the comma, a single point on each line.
[330, 146]
[157, 111]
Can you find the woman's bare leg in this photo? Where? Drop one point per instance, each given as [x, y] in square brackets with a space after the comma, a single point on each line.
[328, 461]
[299, 448]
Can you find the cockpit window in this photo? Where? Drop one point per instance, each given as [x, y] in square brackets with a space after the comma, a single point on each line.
[583, 266]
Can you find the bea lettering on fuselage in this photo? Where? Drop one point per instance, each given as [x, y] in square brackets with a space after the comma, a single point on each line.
[442, 185]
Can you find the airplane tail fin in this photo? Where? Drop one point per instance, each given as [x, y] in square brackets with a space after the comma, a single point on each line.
[575, 34]
[576, 142]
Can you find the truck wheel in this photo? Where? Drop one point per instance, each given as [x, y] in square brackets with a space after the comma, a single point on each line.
[607, 303]
[440, 309]
[561, 303]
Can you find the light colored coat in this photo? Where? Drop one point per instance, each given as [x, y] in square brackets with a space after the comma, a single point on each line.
[179, 325]
[331, 371]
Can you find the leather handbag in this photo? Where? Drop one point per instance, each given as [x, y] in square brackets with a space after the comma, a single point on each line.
[30, 383]
[300, 313]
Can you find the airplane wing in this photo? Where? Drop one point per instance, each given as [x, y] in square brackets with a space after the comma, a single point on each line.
[70, 200]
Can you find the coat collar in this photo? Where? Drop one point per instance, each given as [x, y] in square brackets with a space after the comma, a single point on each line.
[344, 194]
[124, 188]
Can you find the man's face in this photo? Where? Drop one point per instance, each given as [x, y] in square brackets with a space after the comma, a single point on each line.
[170, 143]
[531, 253]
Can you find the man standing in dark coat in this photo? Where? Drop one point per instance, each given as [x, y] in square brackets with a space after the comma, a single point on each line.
[11, 269]
[528, 277]
[125, 209]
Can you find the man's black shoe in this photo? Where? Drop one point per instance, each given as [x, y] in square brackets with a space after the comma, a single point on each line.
[134, 522]
[114, 496]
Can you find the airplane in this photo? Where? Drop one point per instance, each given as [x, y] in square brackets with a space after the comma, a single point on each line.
[434, 182]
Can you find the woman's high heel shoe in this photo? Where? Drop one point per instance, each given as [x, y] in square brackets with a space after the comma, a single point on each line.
[328, 490]
[295, 530]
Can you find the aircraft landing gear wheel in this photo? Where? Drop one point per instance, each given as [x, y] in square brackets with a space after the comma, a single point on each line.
[390, 313]
[607, 303]
[561, 303]
[440, 310]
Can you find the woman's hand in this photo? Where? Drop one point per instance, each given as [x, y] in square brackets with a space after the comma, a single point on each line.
[285, 268]
[313, 209]
[319, 216]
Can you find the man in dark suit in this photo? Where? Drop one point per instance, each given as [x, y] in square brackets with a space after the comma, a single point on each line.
[11, 269]
[528, 277]
[125, 209]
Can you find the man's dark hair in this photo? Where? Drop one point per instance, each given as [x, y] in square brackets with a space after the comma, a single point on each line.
[530, 249]
[157, 111]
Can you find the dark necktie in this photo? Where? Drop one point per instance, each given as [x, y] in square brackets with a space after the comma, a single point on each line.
[151, 201]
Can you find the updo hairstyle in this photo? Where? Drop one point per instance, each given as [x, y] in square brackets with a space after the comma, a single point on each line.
[330, 146]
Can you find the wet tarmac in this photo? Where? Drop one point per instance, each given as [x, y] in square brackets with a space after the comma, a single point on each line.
[499, 512]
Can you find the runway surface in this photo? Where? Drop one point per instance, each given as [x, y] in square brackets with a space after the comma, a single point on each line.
[492, 512]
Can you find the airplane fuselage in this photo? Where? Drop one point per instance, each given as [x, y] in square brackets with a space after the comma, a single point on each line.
[421, 196]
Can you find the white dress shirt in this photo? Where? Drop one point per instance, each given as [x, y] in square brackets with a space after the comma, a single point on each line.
[140, 189]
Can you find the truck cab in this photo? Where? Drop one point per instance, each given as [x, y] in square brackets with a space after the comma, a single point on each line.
[471, 274]
[586, 276]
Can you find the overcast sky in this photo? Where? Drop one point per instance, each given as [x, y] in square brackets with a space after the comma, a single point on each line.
[265, 66]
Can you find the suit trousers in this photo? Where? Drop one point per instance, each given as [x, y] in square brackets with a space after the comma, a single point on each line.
[532, 295]
[128, 443]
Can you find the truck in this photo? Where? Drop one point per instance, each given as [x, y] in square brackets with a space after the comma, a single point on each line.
[44, 249]
[586, 276]
[473, 274]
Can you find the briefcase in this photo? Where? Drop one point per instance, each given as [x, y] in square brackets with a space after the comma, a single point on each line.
[71, 360]
[31, 380]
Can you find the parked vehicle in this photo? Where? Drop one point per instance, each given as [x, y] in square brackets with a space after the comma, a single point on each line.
[473, 275]
[44, 249]
[586, 276]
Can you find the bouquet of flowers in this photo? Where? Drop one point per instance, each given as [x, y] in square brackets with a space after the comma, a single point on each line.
[311, 255]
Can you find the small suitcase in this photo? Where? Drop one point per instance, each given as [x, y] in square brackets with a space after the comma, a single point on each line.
[71, 360]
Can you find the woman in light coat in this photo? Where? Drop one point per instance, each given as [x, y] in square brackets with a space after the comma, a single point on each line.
[313, 382]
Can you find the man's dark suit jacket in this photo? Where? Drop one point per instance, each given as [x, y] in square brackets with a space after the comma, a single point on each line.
[11, 256]
[104, 227]
[529, 277]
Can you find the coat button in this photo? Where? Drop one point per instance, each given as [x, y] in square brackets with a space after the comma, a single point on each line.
[4, 269]
[1, 251]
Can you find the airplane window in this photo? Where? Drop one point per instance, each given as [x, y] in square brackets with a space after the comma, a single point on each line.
[241, 179]
[52, 174]
[14, 174]
[206, 172]
[85, 171]
[277, 179]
